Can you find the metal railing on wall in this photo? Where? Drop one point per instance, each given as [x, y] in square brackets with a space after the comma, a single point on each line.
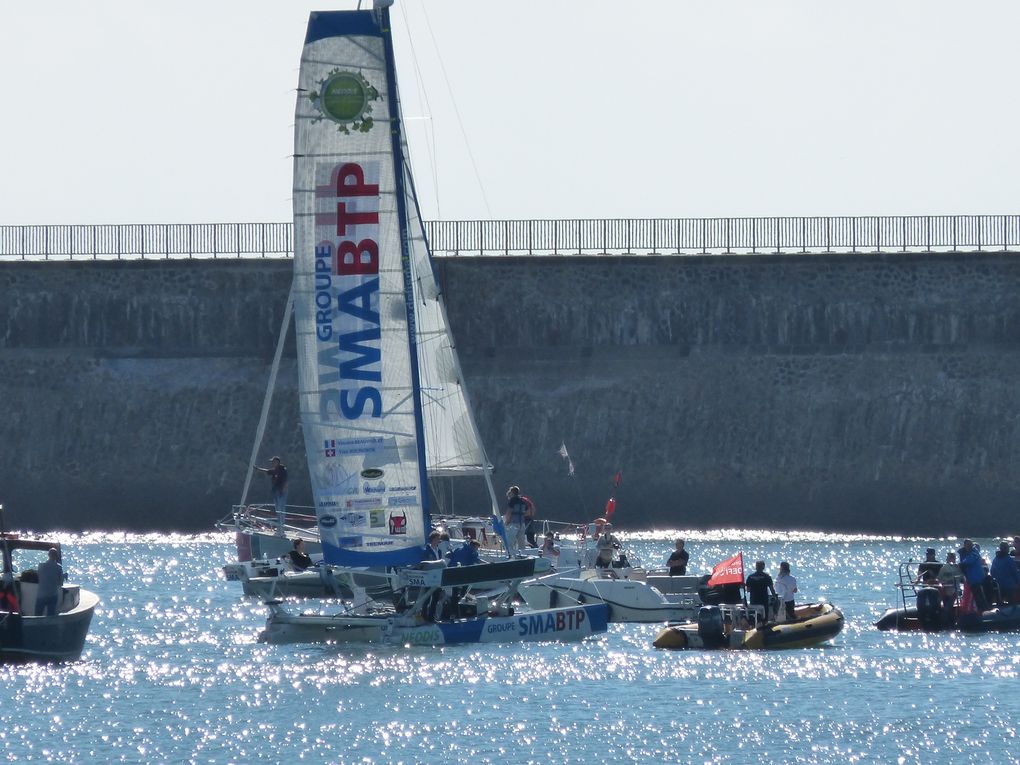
[610, 236]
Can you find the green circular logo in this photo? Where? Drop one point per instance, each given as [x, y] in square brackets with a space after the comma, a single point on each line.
[344, 97]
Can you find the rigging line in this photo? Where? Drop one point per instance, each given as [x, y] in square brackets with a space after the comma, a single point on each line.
[456, 111]
[430, 135]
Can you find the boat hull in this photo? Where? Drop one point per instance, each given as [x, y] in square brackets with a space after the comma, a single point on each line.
[627, 600]
[999, 619]
[558, 624]
[815, 624]
[58, 638]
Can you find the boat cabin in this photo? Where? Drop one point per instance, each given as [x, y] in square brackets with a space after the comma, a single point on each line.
[20, 556]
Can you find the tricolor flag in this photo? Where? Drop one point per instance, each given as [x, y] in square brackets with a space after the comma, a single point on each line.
[564, 455]
[729, 571]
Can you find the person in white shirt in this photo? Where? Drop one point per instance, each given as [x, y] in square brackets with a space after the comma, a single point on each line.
[786, 587]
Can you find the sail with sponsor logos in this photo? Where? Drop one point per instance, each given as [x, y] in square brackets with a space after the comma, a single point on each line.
[373, 339]
[375, 361]
[354, 306]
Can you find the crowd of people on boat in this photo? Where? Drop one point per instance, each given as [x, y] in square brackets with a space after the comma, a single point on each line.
[966, 574]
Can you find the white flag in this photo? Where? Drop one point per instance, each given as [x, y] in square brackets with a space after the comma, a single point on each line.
[570, 463]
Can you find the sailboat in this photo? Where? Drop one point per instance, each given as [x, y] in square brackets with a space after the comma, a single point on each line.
[373, 345]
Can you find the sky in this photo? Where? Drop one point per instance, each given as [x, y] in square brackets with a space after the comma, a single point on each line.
[131, 111]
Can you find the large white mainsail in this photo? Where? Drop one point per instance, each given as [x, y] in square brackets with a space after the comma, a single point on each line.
[358, 361]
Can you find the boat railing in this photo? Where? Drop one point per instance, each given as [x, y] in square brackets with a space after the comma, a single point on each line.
[299, 521]
[910, 583]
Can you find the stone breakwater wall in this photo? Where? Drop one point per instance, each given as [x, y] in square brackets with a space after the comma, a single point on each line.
[866, 393]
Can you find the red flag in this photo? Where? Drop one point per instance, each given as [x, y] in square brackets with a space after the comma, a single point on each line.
[729, 571]
[617, 479]
[610, 507]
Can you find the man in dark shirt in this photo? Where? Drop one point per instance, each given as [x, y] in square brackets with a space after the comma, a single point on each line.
[677, 562]
[759, 585]
[929, 564]
[278, 476]
[298, 557]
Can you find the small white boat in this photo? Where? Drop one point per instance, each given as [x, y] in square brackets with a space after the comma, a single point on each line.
[624, 590]
[25, 637]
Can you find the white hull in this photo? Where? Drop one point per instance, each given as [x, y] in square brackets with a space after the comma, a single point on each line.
[628, 600]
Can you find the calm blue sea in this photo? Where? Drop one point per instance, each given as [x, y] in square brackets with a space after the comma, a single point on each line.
[172, 674]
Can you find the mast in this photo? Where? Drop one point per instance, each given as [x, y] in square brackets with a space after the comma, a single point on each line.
[396, 141]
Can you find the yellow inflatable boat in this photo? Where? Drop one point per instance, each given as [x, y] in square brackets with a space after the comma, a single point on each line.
[740, 627]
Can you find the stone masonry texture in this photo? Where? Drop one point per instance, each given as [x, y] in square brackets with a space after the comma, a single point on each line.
[861, 393]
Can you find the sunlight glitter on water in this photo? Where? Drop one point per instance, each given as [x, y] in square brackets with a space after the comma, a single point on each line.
[172, 673]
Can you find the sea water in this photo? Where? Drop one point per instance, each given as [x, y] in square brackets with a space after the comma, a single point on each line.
[172, 673]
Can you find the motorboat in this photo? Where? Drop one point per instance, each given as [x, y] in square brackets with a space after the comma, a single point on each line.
[624, 590]
[623, 585]
[738, 626]
[927, 607]
[25, 637]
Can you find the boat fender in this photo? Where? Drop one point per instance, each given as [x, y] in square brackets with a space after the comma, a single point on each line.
[929, 609]
[710, 626]
[554, 597]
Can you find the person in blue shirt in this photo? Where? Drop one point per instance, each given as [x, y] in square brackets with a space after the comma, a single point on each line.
[973, 568]
[1005, 574]
[466, 554]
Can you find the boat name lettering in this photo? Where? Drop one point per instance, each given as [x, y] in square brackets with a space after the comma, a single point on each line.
[503, 627]
[421, 636]
[415, 581]
[323, 296]
[350, 359]
[541, 624]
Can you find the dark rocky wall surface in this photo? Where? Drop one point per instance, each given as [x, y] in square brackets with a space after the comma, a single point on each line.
[852, 392]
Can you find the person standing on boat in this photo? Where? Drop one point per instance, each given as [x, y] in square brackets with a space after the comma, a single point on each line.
[299, 559]
[530, 527]
[278, 476]
[786, 588]
[759, 585]
[51, 579]
[973, 578]
[929, 564]
[606, 545]
[516, 517]
[677, 561]
[1005, 573]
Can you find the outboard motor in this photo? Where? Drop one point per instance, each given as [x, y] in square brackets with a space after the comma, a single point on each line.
[710, 596]
[929, 609]
[710, 626]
